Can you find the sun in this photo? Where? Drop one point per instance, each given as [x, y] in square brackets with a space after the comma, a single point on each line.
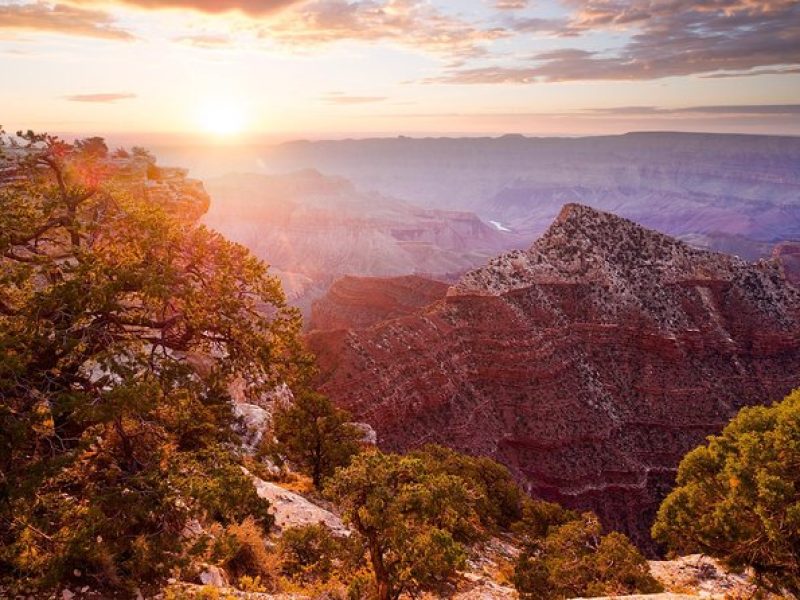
[222, 118]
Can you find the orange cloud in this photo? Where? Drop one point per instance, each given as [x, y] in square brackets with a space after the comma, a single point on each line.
[62, 19]
[250, 7]
[413, 23]
[106, 98]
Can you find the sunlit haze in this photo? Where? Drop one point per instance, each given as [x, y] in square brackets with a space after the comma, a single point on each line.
[327, 68]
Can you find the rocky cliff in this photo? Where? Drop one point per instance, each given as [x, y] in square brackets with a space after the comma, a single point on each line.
[139, 175]
[589, 364]
[788, 255]
[358, 302]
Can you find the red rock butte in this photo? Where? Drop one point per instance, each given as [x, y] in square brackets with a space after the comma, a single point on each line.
[589, 364]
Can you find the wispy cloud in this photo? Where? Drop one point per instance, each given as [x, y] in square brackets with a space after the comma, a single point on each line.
[103, 98]
[206, 41]
[345, 99]
[62, 19]
[251, 7]
[511, 4]
[667, 38]
[416, 24]
[733, 109]
[753, 73]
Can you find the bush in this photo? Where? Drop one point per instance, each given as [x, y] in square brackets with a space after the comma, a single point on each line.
[410, 519]
[498, 499]
[244, 553]
[315, 435]
[738, 497]
[308, 552]
[539, 517]
[574, 559]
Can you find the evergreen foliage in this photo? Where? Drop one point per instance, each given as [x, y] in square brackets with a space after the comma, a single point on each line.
[411, 519]
[121, 327]
[314, 435]
[738, 497]
[567, 556]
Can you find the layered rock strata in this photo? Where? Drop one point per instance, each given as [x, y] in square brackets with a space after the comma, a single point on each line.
[588, 364]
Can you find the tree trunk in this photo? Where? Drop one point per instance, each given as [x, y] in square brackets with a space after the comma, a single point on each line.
[382, 583]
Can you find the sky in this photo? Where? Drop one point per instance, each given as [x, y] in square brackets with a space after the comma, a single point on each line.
[230, 69]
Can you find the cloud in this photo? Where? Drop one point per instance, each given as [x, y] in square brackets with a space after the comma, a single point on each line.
[206, 41]
[754, 73]
[666, 38]
[511, 4]
[412, 23]
[538, 25]
[251, 7]
[344, 99]
[62, 19]
[733, 109]
[103, 98]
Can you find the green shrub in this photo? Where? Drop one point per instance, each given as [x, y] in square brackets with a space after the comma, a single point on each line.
[314, 435]
[308, 552]
[409, 517]
[575, 559]
[738, 497]
[498, 499]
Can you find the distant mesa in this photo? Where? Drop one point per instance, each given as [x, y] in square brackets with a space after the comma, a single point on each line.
[313, 228]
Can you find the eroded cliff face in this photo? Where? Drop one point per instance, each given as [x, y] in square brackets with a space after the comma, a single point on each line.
[359, 302]
[788, 255]
[589, 364]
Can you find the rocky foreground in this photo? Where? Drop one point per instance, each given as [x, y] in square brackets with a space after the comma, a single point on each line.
[588, 364]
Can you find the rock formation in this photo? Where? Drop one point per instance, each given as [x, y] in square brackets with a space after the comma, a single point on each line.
[358, 302]
[588, 364]
[788, 255]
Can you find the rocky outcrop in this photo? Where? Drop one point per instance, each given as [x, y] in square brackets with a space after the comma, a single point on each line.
[358, 302]
[293, 510]
[702, 576]
[788, 255]
[169, 188]
[588, 364]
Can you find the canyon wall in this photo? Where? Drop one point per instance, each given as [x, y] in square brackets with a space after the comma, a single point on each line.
[588, 364]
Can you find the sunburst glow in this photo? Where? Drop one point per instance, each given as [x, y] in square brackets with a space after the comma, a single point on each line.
[223, 118]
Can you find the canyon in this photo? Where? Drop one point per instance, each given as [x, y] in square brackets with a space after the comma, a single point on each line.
[733, 193]
[314, 228]
[589, 364]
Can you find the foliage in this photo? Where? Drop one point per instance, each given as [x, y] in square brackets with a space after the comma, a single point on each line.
[242, 553]
[411, 519]
[309, 552]
[738, 497]
[539, 517]
[498, 499]
[115, 420]
[574, 559]
[315, 435]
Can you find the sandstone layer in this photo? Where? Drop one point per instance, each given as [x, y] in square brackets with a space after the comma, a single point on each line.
[358, 302]
[588, 364]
